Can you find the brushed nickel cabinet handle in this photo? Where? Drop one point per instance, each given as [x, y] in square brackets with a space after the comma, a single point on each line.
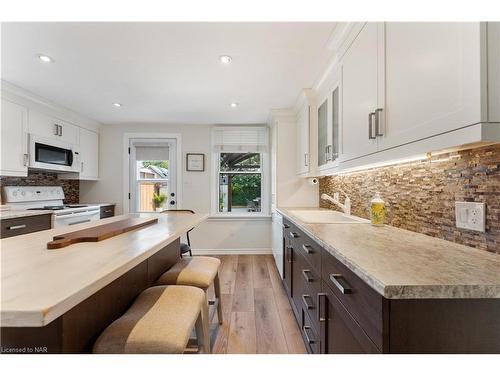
[14, 227]
[378, 133]
[56, 129]
[370, 126]
[308, 339]
[60, 130]
[290, 254]
[294, 235]
[304, 299]
[306, 277]
[305, 160]
[308, 249]
[335, 280]
[321, 318]
[286, 226]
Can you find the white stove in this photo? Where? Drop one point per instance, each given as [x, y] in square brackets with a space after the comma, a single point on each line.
[50, 198]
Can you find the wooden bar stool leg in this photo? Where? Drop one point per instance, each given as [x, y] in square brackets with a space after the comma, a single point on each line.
[200, 334]
[217, 295]
[205, 326]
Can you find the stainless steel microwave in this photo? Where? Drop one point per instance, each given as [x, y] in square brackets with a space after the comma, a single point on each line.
[51, 154]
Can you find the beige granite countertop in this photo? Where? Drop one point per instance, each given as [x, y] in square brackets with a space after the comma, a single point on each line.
[39, 285]
[401, 264]
[12, 214]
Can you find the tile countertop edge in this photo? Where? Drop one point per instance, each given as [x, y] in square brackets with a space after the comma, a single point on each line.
[40, 318]
[399, 291]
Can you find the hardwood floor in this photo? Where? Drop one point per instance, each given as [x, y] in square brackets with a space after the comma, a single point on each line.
[257, 315]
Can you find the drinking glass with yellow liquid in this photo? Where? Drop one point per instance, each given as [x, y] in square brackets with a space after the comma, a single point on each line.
[377, 210]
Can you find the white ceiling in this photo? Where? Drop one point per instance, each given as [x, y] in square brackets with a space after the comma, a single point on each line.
[167, 72]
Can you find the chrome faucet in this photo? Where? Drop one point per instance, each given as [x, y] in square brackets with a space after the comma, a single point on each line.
[346, 207]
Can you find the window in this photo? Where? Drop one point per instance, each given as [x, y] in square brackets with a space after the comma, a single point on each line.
[240, 155]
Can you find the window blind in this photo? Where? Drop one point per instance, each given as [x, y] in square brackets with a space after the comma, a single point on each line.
[151, 152]
[240, 139]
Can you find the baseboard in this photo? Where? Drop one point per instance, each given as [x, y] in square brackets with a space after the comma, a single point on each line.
[232, 251]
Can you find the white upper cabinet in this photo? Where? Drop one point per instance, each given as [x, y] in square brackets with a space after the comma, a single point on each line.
[303, 153]
[50, 127]
[14, 140]
[361, 94]
[432, 80]
[89, 155]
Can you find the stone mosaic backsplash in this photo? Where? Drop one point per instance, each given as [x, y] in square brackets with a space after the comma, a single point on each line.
[71, 188]
[421, 195]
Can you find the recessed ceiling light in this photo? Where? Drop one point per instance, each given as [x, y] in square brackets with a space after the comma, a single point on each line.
[225, 59]
[234, 105]
[45, 58]
[117, 105]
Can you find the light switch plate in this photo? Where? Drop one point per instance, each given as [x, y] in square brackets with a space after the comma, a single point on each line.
[470, 215]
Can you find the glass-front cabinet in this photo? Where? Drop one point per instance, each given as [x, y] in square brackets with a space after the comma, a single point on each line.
[329, 117]
[323, 133]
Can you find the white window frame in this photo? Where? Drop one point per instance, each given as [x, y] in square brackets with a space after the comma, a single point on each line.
[265, 188]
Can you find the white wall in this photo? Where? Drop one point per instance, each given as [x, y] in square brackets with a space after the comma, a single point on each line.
[213, 236]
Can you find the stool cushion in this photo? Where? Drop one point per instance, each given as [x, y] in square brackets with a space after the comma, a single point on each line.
[160, 321]
[195, 271]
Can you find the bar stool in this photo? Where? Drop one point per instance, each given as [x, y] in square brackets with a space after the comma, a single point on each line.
[198, 271]
[159, 321]
[185, 247]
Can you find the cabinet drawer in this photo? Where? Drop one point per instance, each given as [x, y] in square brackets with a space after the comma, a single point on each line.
[23, 225]
[107, 211]
[309, 286]
[305, 245]
[310, 334]
[363, 303]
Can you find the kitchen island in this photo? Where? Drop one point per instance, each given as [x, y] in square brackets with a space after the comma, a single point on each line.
[62, 299]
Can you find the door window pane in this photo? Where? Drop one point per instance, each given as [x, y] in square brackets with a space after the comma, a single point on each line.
[152, 181]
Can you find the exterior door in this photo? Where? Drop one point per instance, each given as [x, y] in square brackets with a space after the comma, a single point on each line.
[153, 168]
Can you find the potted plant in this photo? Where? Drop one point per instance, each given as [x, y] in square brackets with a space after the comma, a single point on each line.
[158, 200]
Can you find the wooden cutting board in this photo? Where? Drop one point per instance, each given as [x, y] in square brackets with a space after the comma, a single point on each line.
[99, 233]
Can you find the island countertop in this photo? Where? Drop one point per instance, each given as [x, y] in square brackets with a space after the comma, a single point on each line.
[400, 264]
[39, 285]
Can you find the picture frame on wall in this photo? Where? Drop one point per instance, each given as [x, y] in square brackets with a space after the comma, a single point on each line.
[195, 162]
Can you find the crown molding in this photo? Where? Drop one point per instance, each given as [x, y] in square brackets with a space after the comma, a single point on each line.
[32, 100]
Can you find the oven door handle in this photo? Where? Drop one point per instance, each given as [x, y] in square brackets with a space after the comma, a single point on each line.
[78, 214]
[80, 222]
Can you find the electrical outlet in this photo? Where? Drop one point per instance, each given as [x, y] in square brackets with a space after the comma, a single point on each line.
[470, 215]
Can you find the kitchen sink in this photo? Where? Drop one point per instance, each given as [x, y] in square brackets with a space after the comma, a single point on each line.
[326, 217]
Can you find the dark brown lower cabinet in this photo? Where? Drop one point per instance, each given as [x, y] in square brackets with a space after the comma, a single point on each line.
[340, 333]
[287, 266]
[24, 225]
[107, 211]
[339, 313]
